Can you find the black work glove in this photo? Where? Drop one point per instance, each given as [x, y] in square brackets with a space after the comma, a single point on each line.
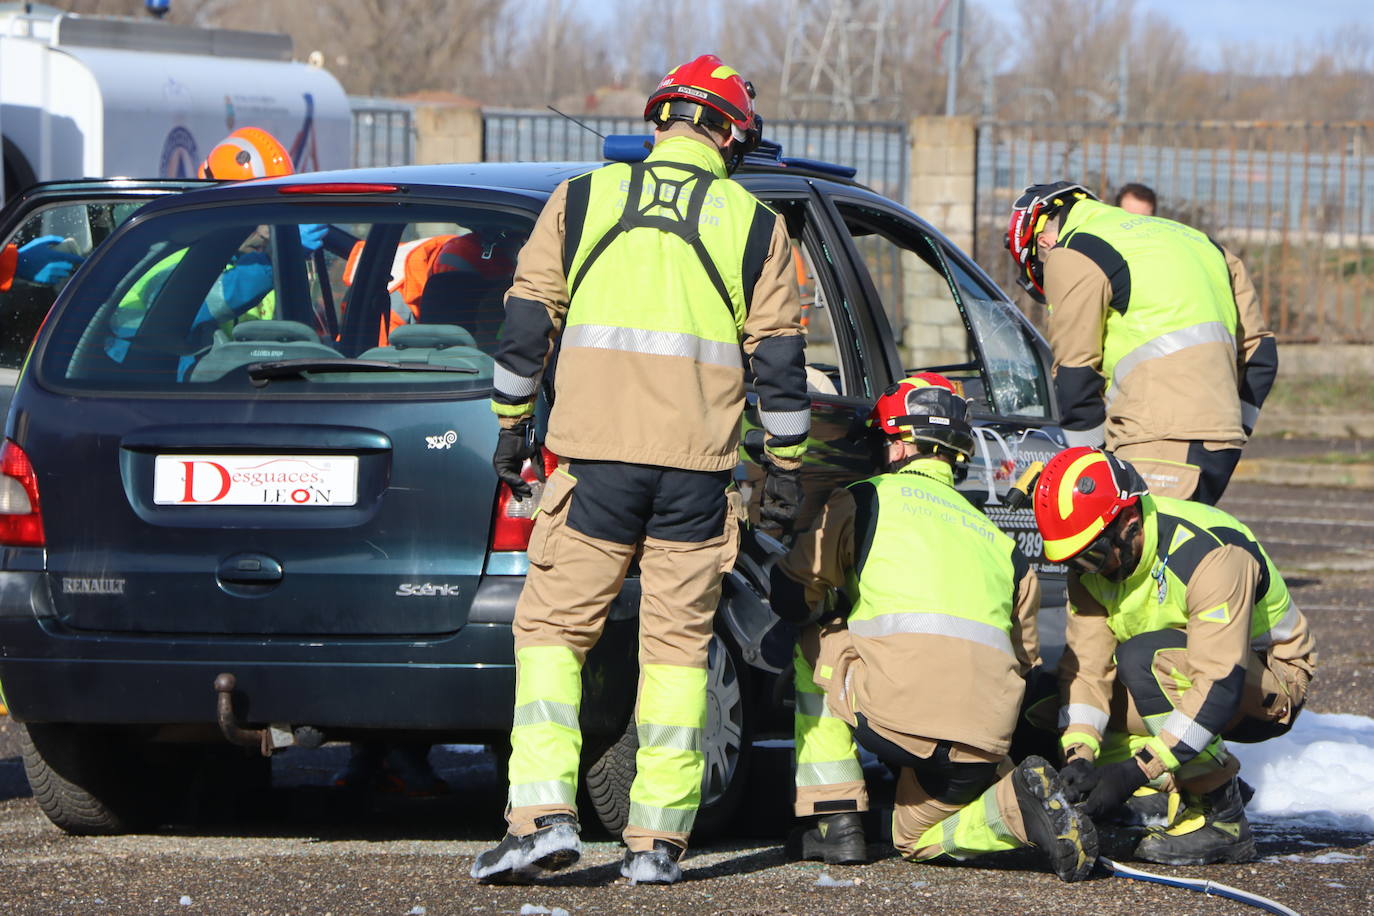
[1115, 783]
[513, 447]
[1079, 776]
[782, 495]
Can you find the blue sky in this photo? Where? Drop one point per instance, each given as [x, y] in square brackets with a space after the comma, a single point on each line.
[1210, 24]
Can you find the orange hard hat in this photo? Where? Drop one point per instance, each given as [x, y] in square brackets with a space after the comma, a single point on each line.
[249, 152]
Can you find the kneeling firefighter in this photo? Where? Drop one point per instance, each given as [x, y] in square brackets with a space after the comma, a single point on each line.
[926, 668]
[1181, 632]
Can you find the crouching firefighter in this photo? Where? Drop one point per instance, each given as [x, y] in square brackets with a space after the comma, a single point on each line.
[926, 669]
[657, 306]
[1181, 632]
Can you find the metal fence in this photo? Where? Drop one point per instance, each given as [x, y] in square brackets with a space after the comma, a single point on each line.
[877, 149]
[1294, 201]
[383, 132]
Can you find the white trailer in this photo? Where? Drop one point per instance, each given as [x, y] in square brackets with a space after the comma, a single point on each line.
[87, 96]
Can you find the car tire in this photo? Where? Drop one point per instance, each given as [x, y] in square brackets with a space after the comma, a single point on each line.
[725, 745]
[82, 780]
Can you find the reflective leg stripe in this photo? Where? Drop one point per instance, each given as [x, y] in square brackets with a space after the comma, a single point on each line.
[512, 385]
[825, 748]
[976, 828]
[926, 622]
[813, 705]
[564, 714]
[546, 743]
[662, 820]
[1187, 730]
[549, 792]
[1165, 344]
[669, 764]
[1083, 714]
[653, 343]
[829, 772]
[677, 737]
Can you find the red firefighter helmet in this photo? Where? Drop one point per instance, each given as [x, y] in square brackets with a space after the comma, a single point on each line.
[1080, 492]
[925, 408]
[1029, 214]
[249, 152]
[707, 91]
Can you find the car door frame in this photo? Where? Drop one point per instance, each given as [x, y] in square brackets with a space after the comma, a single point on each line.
[989, 425]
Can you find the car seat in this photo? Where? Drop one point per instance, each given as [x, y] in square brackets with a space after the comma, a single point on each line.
[261, 341]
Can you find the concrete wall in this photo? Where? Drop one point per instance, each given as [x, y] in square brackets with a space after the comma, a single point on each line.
[447, 133]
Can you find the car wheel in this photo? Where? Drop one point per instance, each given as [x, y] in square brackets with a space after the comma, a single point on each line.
[725, 746]
[82, 780]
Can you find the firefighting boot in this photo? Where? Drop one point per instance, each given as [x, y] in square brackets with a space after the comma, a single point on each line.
[1067, 838]
[1150, 808]
[554, 845]
[653, 866]
[836, 839]
[1213, 830]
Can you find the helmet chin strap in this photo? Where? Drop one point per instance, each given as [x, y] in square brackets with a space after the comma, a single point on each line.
[1129, 557]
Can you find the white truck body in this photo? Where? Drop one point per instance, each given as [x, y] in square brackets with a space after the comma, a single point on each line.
[84, 96]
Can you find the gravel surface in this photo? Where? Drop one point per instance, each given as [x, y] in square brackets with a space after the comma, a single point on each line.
[306, 847]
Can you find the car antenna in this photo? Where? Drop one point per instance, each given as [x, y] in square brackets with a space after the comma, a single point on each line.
[574, 120]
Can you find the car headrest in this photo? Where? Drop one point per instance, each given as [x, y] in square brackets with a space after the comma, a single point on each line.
[278, 331]
[435, 336]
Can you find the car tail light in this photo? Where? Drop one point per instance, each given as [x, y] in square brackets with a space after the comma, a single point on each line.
[339, 187]
[21, 521]
[515, 517]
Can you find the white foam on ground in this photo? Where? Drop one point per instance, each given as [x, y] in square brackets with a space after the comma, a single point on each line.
[1320, 774]
[826, 881]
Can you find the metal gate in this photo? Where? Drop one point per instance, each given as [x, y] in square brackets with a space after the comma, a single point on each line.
[383, 132]
[1294, 201]
[878, 149]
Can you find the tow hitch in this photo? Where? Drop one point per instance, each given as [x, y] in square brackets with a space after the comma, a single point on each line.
[267, 740]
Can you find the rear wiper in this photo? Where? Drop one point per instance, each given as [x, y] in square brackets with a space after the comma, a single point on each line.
[262, 373]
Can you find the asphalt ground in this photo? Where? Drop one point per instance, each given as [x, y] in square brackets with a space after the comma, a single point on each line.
[307, 847]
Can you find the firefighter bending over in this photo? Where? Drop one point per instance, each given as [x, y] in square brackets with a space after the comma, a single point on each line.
[1181, 633]
[926, 667]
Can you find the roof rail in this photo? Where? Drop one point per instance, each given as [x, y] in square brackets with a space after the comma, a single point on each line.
[635, 147]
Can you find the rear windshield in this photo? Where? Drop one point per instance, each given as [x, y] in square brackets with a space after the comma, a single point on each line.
[292, 298]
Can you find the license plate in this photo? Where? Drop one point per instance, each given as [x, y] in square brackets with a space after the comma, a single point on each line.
[255, 480]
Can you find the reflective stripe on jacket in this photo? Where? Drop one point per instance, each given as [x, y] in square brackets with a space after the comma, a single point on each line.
[944, 606]
[650, 368]
[1144, 319]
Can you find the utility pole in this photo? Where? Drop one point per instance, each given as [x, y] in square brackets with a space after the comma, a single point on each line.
[954, 51]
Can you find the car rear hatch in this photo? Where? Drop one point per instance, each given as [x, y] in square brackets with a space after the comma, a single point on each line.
[235, 432]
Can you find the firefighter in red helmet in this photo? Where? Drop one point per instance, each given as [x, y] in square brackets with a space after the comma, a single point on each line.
[923, 660]
[1181, 633]
[649, 297]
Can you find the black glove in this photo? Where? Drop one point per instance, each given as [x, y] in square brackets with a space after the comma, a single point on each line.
[1115, 783]
[513, 447]
[782, 495]
[1079, 776]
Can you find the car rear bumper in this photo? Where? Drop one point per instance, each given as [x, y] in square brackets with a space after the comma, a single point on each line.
[461, 682]
[465, 681]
